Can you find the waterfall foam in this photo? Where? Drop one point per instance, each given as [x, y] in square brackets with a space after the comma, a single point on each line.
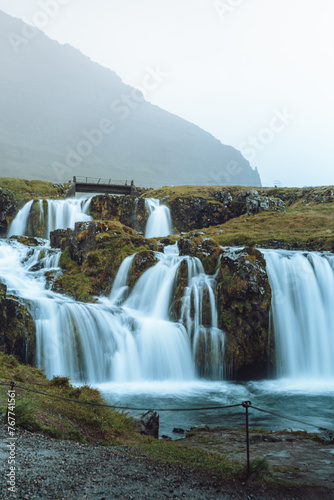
[302, 312]
[61, 214]
[159, 222]
[19, 224]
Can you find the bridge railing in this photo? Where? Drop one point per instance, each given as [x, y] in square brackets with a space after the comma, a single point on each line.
[96, 180]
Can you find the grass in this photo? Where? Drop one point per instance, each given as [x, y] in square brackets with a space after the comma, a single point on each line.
[58, 418]
[312, 229]
[24, 190]
[194, 458]
[307, 223]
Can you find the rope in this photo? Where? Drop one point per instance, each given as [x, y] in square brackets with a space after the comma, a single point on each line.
[120, 407]
[289, 418]
[167, 409]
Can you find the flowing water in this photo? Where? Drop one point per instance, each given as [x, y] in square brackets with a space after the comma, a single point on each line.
[159, 222]
[133, 347]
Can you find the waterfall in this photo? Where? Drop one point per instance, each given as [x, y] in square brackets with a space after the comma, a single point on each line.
[159, 222]
[65, 213]
[199, 313]
[137, 334]
[302, 312]
[19, 224]
[120, 288]
[61, 214]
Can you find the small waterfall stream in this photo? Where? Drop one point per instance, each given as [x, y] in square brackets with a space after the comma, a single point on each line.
[159, 222]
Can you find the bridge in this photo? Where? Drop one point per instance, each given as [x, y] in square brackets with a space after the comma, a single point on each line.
[105, 186]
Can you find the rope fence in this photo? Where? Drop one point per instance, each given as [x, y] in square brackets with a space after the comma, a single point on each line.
[245, 404]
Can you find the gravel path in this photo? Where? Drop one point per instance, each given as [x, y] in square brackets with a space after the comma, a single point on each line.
[47, 468]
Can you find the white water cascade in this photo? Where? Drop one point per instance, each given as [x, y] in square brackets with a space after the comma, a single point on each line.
[134, 335]
[61, 214]
[302, 312]
[126, 337]
[159, 222]
[19, 224]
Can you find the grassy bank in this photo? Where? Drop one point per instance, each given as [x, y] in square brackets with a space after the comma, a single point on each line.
[307, 223]
[24, 190]
[59, 418]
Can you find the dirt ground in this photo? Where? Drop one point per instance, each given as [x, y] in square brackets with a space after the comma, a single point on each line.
[296, 457]
[47, 468]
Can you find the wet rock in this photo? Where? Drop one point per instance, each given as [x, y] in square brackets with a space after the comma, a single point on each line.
[28, 241]
[17, 328]
[178, 430]
[327, 436]
[142, 261]
[8, 209]
[148, 424]
[244, 298]
[205, 249]
[128, 210]
[92, 254]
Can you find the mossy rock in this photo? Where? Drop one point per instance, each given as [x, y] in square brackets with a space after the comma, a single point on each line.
[92, 255]
[244, 299]
[205, 249]
[127, 210]
[17, 329]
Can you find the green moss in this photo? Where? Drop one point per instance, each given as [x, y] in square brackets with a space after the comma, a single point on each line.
[24, 190]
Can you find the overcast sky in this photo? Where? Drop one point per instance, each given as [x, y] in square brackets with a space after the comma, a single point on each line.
[257, 74]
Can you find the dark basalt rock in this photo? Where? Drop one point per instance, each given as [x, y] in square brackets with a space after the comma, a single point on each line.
[17, 328]
[148, 424]
[244, 298]
[194, 212]
[128, 210]
[8, 209]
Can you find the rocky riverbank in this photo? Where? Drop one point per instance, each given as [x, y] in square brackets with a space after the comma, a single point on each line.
[47, 468]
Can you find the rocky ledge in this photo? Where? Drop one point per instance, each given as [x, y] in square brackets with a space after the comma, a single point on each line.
[8, 209]
[17, 328]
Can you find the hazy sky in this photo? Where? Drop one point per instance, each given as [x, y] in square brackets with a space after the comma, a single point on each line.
[257, 74]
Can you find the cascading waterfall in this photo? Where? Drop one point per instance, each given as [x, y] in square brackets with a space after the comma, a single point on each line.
[302, 312]
[61, 214]
[130, 336]
[19, 224]
[159, 222]
[199, 313]
[125, 337]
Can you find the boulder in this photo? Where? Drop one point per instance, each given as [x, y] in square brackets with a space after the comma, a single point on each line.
[148, 424]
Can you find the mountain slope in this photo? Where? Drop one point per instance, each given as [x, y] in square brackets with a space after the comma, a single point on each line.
[64, 115]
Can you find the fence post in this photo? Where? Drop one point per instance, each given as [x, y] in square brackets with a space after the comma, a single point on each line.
[246, 405]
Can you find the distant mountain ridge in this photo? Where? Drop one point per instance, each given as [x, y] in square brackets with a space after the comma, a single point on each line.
[64, 115]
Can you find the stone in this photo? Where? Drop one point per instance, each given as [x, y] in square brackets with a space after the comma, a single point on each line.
[8, 209]
[148, 424]
[244, 299]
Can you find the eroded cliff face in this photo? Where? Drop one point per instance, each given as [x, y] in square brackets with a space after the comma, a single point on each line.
[128, 210]
[244, 298]
[195, 212]
[8, 208]
[17, 328]
[93, 253]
